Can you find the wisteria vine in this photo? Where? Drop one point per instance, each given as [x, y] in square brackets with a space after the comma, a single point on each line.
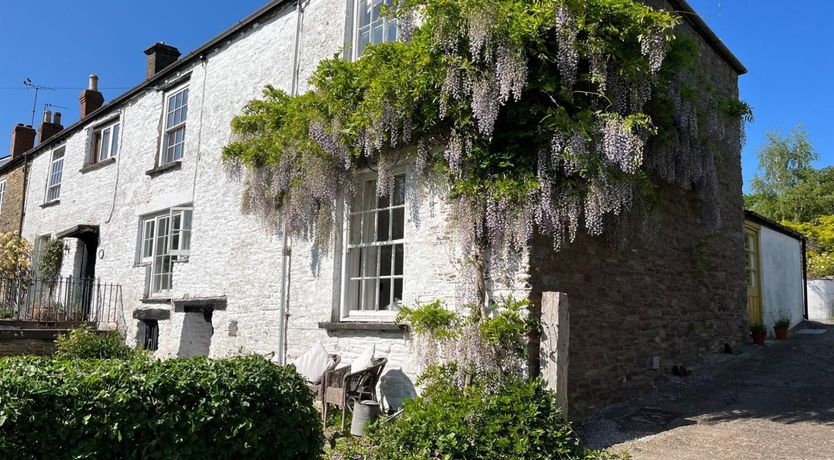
[542, 115]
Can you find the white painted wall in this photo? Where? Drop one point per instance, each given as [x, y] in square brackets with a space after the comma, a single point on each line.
[821, 299]
[232, 255]
[782, 286]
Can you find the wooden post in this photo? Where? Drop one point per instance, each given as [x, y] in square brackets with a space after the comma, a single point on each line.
[555, 339]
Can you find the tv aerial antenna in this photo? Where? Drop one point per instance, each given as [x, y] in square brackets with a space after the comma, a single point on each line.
[38, 88]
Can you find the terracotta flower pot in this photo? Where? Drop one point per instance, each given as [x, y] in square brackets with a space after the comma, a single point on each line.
[781, 332]
[759, 337]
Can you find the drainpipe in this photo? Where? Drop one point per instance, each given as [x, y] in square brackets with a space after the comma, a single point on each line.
[805, 278]
[286, 249]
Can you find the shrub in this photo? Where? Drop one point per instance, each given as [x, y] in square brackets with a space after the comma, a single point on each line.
[52, 256]
[243, 407]
[14, 256]
[519, 421]
[86, 344]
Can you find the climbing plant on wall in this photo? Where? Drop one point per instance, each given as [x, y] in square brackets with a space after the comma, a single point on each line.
[52, 255]
[538, 114]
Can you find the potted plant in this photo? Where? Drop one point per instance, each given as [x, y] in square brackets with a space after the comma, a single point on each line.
[780, 328]
[759, 333]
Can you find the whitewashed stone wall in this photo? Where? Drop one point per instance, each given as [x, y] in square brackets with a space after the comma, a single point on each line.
[232, 255]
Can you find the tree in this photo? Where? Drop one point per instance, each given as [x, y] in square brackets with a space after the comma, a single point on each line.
[784, 170]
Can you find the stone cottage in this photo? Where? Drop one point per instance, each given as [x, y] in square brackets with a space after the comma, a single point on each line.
[137, 190]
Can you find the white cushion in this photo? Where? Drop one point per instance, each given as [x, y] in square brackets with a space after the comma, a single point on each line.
[313, 363]
[364, 360]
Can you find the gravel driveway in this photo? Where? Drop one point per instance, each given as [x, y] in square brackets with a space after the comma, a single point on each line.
[771, 402]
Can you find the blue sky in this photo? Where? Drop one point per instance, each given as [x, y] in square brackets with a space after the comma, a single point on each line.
[788, 47]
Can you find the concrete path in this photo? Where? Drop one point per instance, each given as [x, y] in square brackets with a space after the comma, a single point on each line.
[771, 402]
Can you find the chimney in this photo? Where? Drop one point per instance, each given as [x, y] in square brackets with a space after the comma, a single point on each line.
[91, 99]
[160, 56]
[23, 139]
[50, 126]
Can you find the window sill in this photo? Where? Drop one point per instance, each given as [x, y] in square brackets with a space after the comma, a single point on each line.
[363, 326]
[173, 166]
[97, 165]
[156, 300]
[51, 204]
[158, 314]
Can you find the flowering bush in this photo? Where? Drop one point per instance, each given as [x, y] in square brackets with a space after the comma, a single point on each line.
[462, 349]
[15, 254]
[537, 113]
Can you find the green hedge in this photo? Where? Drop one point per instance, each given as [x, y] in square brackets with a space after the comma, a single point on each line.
[140, 408]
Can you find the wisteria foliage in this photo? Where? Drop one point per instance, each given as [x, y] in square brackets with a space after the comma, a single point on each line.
[538, 114]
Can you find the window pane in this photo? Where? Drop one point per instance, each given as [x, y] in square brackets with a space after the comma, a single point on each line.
[382, 225]
[355, 228]
[399, 190]
[368, 227]
[385, 259]
[114, 149]
[147, 250]
[377, 9]
[398, 259]
[391, 30]
[369, 195]
[364, 40]
[369, 295]
[382, 201]
[96, 147]
[353, 293]
[385, 294]
[398, 292]
[364, 13]
[398, 227]
[369, 261]
[376, 34]
[355, 263]
[105, 144]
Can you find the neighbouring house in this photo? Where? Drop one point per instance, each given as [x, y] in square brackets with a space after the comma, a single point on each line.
[775, 272]
[14, 169]
[137, 191]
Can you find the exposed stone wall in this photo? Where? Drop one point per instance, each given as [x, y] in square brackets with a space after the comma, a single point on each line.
[677, 293]
[12, 210]
[27, 342]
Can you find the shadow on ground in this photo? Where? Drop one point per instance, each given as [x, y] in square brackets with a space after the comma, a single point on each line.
[783, 383]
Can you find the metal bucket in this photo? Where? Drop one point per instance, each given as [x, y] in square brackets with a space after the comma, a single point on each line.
[364, 413]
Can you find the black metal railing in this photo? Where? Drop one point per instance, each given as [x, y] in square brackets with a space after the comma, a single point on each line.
[60, 299]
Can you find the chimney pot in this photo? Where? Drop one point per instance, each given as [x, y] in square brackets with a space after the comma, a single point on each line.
[23, 139]
[160, 56]
[93, 83]
[50, 126]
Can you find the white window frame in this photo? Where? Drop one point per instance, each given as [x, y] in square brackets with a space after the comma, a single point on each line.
[110, 149]
[55, 175]
[167, 131]
[356, 28]
[165, 243]
[347, 278]
[2, 194]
